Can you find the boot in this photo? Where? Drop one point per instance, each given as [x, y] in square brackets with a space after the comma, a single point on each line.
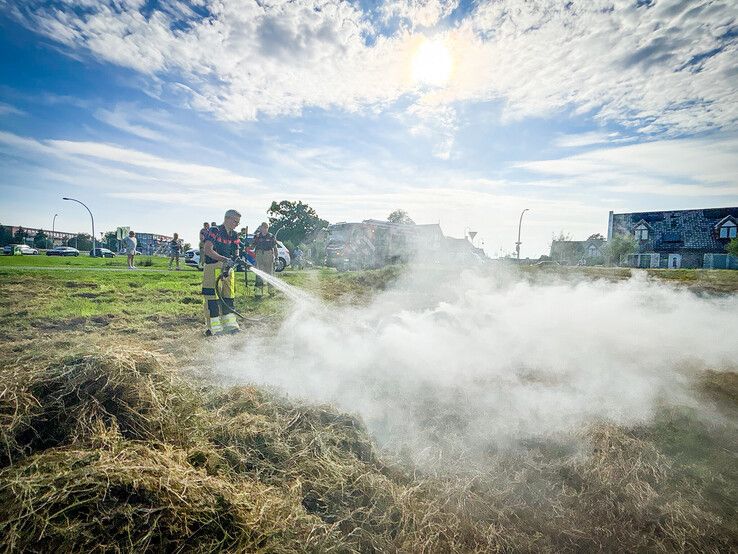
[216, 326]
[230, 323]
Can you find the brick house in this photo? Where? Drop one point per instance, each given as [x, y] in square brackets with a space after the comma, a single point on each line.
[679, 238]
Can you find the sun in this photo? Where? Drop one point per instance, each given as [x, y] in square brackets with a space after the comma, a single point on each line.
[432, 63]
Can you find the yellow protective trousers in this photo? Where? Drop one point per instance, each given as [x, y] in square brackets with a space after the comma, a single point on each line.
[211, 304]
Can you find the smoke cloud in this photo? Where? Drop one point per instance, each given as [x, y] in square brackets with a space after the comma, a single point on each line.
[472, 364]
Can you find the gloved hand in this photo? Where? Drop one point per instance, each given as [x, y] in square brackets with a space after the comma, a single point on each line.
[228, 265]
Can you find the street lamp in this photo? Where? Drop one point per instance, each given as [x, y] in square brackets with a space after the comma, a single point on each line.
[53, 227]
[520, 224]
[93, 222]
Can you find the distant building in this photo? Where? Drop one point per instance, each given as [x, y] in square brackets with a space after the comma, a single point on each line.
[579, 252]
[462, 250]
[680, 238]
[58, 238]
[152, 243]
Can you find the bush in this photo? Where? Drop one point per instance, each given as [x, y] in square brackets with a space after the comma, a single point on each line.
[732, 247]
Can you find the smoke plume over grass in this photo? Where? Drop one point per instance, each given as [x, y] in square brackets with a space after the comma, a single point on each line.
[456, 367]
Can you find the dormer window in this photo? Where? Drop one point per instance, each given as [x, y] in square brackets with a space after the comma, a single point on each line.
[728, 230]
[641, 232]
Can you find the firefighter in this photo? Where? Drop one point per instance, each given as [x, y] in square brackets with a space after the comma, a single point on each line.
[220, 248]
[265, 249]
[203, 234]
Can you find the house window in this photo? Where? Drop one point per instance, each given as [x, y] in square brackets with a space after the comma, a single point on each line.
[641, 232]
[728, 230]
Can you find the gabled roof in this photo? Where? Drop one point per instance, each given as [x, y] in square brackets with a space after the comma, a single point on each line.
[725, 220]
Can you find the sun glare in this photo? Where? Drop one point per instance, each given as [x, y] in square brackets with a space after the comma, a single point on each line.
[432, 63]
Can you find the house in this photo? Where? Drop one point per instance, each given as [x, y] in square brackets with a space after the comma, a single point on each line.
[579, 252]
[680, 238]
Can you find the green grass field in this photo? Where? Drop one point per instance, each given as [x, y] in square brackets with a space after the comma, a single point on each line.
[312, 477]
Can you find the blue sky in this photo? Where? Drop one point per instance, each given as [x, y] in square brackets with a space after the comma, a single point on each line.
[160, 115]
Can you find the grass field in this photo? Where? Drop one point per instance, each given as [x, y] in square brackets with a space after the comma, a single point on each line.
[90, 388]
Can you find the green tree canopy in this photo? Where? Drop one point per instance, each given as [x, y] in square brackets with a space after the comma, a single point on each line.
[400, 216]
[82, 242]
[6, 237]
[732, 247]
[619, 246]
[110, 241]
[20, 236]
[294, 221]
[40, 240]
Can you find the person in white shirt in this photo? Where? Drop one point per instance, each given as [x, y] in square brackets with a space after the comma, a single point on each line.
[130, 244]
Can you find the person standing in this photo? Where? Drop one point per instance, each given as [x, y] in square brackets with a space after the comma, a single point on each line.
[297, 258]
[175, 248]
[265, 248]
[221, 247]
[203, 234]
[130, 244]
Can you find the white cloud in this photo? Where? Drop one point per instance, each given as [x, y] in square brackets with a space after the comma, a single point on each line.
[584, 139]
[668, 68]
[124, 165]
[438, 123]
[702, 160]
[123, 118]
[418, 13]
[7, 109]
[686, 167]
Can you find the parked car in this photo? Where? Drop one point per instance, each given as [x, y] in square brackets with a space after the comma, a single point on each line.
[548, 263]
[192, 257]
[63, 251]
[24, 249]
[102, 253]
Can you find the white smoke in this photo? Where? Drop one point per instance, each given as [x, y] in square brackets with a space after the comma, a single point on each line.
[480, 362]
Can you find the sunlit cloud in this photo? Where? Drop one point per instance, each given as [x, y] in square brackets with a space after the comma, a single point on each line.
[656, 68]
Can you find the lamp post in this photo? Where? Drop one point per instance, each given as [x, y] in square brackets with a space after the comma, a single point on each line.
[93, 222]
[53, 228]
[520, 224]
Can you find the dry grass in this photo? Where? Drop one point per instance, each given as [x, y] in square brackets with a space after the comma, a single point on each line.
[113, 452]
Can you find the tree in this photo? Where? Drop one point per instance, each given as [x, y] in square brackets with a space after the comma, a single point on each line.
[732, 247]
[20, 236]
[294, 221]
[6, 236]
[40, 240]
[400, 216]
[596, 236]
[110, 241]
[82, 241]
[619, 246]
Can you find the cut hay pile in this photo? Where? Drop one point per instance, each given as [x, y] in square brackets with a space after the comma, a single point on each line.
[113, 452]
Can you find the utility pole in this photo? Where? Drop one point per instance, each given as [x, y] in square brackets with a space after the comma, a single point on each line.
[517, 244]
[53, 228]
[93, 222]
